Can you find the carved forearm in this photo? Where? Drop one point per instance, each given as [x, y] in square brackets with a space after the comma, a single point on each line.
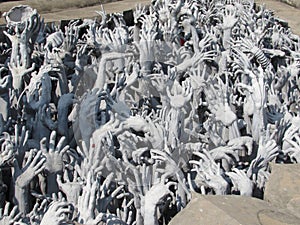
[22, 198]
[234, 131]
[226, 38]
[24, 56]
[52, 186]
[258, 124]
[150, 217]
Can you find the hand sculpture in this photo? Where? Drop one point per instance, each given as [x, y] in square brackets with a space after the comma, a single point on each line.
[155, 196]
[229, 20]
[88, 114]
[151, 111]
[257, 91]
[178, 100]
[294, 150]
[210, 173]
[241, 182]
[71, 189]
[5, 84]
[56, 213]
[54, 160]
[22, 178]
[38, 92]
[227, 153]
[146, 44]
[267, 151]
[218, 103]
[71, 37]
[18, 71]
[9, 218]
[37, 213]
[7, 153]
[87, 202]
[25, 33]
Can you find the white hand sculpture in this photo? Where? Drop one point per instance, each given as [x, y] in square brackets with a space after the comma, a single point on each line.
[267, 151]
[6, 154]
[34, 165]
[56, 213]
[87, 202]
[241, 181]
[22, 178]
[70, 188]
[9, 218]
[54, 153]
[294, 150]
[210, 173]
[178, 100]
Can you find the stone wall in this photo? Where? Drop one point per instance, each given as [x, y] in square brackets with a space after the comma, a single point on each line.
[281, 204]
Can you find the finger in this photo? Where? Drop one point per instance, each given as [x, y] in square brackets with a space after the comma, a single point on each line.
[158, 158]
[80, 152]
[57, 205]
[59, 181]
[159, 152]
[39, 170]
[92, 196]
[36, 158]
[99, 218]
[43, 145]
[25, 138]
[64, 150]
[16, 134]
[13, 212]
[6, 209]
[43, 204]
[86, 198]
[60, 143]
[18, 216]
[115, 192]
[233, 176]
[66, 176]
[61, 197]
[8, 35]
[52, 141]
[75, 176]
[62, 211]
[195, 162]
[202, 156]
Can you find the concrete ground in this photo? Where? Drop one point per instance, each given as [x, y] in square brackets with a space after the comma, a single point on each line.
[285, 12]
[281, 10]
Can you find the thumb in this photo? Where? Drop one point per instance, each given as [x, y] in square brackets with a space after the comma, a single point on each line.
[16, 166]
[99, 218]
[8, 35]
[59, 181]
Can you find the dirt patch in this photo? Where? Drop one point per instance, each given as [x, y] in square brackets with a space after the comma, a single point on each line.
[281, 10]
[45, 6]
[86, 12]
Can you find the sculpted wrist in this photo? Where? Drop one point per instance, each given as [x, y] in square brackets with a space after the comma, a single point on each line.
[20, 185]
